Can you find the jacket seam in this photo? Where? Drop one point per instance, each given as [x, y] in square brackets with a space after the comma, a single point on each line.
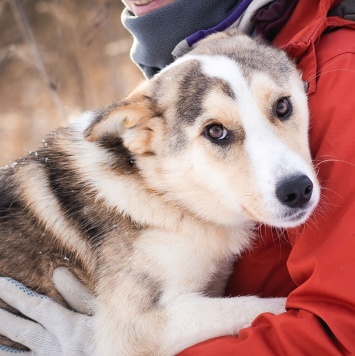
[336, 56]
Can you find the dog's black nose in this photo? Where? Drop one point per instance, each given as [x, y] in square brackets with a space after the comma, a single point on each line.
[295, 191]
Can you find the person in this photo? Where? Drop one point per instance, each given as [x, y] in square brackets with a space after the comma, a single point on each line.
[313, 266]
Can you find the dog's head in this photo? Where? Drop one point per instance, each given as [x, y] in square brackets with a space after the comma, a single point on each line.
[222, 132]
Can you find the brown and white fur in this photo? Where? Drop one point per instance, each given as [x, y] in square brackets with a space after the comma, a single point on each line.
[149, 211]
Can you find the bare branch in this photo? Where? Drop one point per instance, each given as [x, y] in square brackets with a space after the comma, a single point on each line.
[22, 23]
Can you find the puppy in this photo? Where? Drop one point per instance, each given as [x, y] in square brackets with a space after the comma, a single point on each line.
[149, 201]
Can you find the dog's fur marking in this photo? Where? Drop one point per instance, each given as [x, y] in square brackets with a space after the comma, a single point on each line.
[149, 210]
[38, 194]
[189, 106]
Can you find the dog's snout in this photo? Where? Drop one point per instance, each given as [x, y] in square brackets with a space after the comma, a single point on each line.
[295, 191]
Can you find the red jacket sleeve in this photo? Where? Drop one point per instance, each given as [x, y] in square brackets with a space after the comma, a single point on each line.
[321, 263]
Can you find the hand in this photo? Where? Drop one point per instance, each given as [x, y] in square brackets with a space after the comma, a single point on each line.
[73, 291]
[55, 331]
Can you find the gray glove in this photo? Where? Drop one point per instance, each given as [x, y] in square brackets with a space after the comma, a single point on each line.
[55, 331]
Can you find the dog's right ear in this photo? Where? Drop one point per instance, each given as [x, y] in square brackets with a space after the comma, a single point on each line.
[134, 109]
[134, 120]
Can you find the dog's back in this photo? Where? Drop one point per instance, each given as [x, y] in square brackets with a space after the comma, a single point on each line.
[29, 250]
[51, 216]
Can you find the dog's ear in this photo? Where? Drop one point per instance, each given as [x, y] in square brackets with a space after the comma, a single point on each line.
[136, 120]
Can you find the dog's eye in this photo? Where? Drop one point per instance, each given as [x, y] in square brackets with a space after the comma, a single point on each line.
[216, 132]
[283, 108]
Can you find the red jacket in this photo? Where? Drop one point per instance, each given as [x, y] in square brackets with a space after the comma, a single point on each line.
[313, 265]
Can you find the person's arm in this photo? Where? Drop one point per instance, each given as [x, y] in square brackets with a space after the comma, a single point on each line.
[321, 309]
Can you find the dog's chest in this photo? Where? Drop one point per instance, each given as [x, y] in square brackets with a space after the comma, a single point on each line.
[185, 263]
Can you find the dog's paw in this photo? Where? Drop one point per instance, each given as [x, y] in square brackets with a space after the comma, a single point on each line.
[274, 305]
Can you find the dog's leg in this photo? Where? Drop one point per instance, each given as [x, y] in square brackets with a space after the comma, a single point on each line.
[180, 323]
[194, 318]
[129, 320]
[128, 334]
[218, 283]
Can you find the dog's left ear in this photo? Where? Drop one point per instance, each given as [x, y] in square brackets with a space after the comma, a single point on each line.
[135, 120]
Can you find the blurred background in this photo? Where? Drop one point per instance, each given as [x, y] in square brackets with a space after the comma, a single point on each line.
[58, 58]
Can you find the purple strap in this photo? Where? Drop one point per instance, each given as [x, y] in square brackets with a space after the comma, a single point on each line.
[229, 21]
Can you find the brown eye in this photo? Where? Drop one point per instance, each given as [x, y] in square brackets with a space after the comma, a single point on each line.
[283, 108]
[216, 132]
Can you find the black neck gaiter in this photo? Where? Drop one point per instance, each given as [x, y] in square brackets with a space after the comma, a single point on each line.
[157, 33]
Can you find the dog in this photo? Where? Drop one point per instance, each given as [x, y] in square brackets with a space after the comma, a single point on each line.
[150, 200]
